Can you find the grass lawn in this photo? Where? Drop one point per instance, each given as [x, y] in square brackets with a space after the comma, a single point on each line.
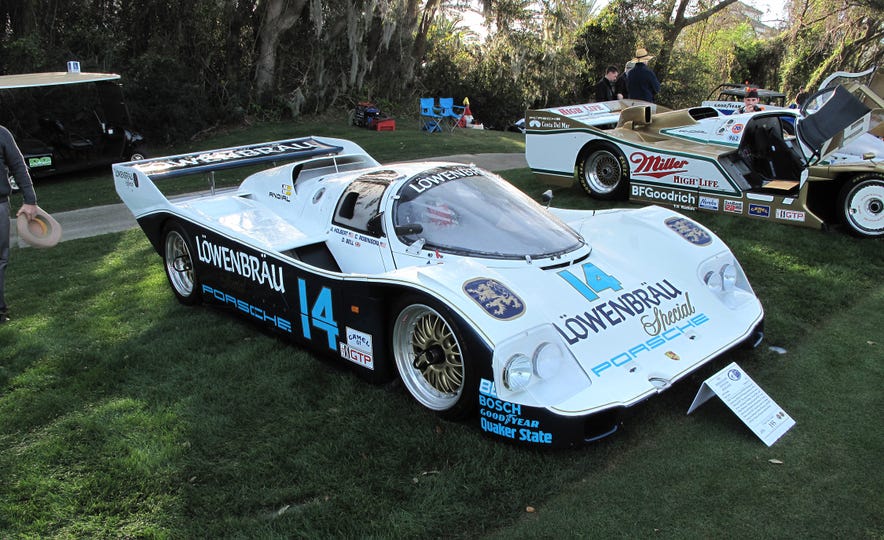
[126, 414]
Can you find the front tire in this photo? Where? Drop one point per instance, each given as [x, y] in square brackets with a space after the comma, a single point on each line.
[603, 172]
[178, 261]
[429, 351]
[861, 204]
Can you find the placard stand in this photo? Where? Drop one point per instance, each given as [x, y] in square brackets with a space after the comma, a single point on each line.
[748, 401]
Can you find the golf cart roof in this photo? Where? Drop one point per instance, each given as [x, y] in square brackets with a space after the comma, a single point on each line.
[29, 80]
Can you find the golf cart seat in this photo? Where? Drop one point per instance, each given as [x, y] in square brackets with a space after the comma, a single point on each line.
[59, 135]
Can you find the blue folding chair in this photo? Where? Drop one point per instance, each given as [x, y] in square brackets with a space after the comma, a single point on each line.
[451, 113]
[430, 120]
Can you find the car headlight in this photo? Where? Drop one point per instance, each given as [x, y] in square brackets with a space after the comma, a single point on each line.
[724, 277]
[517, 372]
[728, 277]
[535, 367]
[548, 359]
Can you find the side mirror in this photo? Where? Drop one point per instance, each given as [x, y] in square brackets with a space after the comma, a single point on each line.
[375, 225]
[411, 228]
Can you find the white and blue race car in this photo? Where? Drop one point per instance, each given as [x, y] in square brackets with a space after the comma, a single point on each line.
[541, 324]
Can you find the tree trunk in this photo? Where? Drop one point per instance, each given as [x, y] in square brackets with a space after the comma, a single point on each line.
[278, 16]
[673, 27]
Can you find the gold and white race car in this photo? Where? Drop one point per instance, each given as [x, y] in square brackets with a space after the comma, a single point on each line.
[810, 167]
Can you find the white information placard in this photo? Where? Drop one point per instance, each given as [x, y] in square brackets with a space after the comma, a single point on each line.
[748, 401]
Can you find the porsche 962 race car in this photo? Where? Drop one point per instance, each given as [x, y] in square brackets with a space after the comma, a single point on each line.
[778, 165]
[541, 324]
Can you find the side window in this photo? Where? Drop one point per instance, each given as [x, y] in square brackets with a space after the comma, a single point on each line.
[359, 203]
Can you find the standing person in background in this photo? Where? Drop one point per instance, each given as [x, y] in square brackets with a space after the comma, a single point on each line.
[11, 163]
[643, 83]
[605, 89]
[622, 84]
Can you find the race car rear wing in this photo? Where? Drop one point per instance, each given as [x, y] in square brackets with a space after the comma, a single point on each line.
[134, 180]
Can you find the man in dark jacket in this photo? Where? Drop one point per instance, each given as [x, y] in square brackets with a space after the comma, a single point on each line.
[605, 89]
[643, 83]
[11, 163]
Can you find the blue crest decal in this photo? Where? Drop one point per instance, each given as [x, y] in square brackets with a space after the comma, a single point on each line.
[689, 230]
[500, 302]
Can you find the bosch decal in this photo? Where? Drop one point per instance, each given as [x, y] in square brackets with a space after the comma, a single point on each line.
[495, 298]
[505, 419]
[656, 166]
[759, 210]
[689, 230]
[242, 264]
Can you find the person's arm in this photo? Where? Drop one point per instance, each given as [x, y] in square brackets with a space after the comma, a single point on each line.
[15, 162]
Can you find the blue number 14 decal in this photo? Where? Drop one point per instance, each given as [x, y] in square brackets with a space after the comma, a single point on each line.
[320, 316]
[594, 281]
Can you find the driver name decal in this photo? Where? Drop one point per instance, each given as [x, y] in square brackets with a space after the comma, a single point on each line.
[242, 264]
[656, 166]
[496, 299]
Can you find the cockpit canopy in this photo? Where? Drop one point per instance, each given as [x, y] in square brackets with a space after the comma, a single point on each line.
[464, 210]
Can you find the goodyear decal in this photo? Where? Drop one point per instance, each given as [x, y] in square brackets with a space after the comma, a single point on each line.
[689, 230]
[495, 298]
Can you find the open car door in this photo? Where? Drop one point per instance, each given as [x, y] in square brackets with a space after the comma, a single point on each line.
[832, 118]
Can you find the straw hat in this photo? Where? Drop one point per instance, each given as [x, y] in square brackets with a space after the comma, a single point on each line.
[41, 232]
[641, 55]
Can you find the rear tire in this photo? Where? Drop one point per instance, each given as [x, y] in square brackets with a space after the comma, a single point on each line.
[861, 205]
[178, 261]
[430, 355]
[603, 172]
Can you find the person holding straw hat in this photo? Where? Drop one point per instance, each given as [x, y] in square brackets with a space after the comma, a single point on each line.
[12, 163]
[643, 83]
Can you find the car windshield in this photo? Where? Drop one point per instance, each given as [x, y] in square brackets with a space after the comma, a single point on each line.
[467, 211]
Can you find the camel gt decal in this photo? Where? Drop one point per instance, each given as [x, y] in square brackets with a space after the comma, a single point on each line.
[495, 298]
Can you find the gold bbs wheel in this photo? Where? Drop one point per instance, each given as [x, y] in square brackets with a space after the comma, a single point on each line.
[428, 356]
